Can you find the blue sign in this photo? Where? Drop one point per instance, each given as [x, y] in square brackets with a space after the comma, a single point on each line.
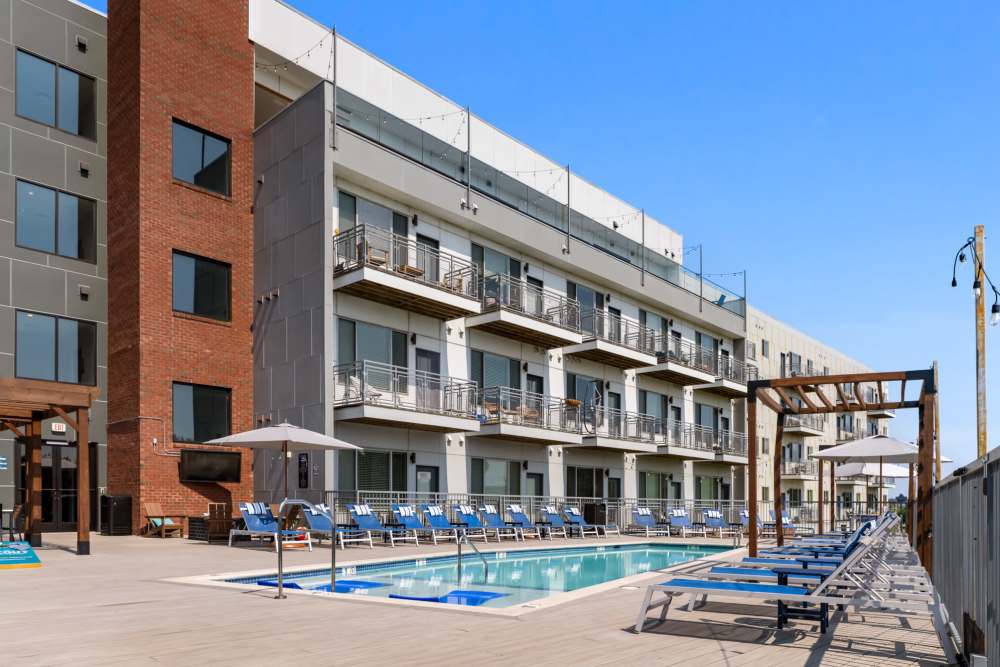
[3, 462]
[17, 554]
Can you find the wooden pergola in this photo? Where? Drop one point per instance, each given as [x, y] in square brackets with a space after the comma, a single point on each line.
[825, 394]
[24, 405]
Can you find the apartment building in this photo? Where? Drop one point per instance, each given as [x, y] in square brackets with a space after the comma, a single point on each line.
[779, 350]
[53, 231]
[299, 231]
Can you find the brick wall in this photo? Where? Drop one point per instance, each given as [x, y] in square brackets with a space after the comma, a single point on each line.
[191, 61]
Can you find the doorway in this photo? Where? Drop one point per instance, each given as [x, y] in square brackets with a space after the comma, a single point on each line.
[428, 380]
[533, 484]
[59, 492]
[427, 479]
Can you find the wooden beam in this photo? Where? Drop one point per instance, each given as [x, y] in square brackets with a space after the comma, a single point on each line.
[848, 378]
[82, 429]
[925, 483]
[66, 418]
[902, 390]
[802, 392]
[768, 401]
[778, 450]
[826, 401]
[33, 489]
[752, 473]
[859, 397]
[7, 424]
[786, 399]
[842, 396]
[21, 390]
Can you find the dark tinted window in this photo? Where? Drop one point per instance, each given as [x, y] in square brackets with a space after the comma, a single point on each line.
[200, 158]
[56, 222]
[56, 348]
[54, 95]
[201, 286]
[201, 413]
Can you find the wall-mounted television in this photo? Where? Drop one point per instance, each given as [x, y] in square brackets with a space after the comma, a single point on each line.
[207, 466]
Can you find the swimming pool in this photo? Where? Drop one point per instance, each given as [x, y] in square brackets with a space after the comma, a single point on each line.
[511, 578]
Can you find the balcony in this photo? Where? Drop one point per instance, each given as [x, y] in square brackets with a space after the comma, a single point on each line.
[614, 340]
[805, 425]
[684, 363]
[528, 314]
[387, 268]
[617, 430]
[679, 439]
[732, 378]
[371, 392]
[525, 416]
[799, 469]
[871, 398]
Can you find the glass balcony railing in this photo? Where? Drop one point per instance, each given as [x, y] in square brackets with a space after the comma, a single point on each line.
[799, 468]
[385, 385]
[506, 405]
[502, 292]
[621, 425]
[599, 324]
[372, 246]
[373, 123]
[816, 422]
[688, 354]
[736, 370]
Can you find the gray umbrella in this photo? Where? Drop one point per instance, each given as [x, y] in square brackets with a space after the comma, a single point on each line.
[283, 438]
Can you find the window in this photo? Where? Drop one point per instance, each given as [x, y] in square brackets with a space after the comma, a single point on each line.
[55, 222]
[200, 158]
[657, 485]
[765, 494]
[492, 370]
[495, 477]
[347, 210]
[372, 470]
[201, 413]
[53, 95]
[201, 286]
[55, 348]
[765, 348]
[584, 482]
[765, 446]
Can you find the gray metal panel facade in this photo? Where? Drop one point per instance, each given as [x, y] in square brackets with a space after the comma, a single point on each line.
[39, 281]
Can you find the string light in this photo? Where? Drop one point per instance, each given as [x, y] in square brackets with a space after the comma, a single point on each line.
[283, 65]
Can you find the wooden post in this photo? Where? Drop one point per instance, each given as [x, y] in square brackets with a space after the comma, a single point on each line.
[752, 472]
[880, 485]
[819, 513]
[33, 488]
[833, 495]
[925, 469]
[980, 275]
[779, 529]
[83, 482]
[910, 492]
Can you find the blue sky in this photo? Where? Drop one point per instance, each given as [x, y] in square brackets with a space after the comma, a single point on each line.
[839, 152]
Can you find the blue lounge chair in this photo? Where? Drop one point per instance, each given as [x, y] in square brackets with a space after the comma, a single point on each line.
[407, 517]
[786, 523]
[471, 526]
[556, 525]
[527, 526]
[365, 519]
[681, 523]
[260, 522]
[439, 524]
[494, 522]
[575, 519]
[320, 522]
[643, 522]
[716, 524]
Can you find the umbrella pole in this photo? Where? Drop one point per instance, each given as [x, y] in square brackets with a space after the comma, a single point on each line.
[279, 538]
[333, 545]
[880, 484]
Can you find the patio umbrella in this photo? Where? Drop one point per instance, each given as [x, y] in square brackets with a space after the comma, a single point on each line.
[890, 470]
[283, 438]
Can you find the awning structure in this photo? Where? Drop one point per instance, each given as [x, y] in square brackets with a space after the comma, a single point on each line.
[836, 394]
[24, 405]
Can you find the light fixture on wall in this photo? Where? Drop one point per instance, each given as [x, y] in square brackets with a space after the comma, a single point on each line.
[670, 400]
[415, 220]
[524, 367]
[524, 465]
[608, 297]
[526, 267]
[413, 338]
[607, 384]
[413, 457]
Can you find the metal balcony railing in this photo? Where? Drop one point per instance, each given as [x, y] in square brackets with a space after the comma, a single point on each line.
[598, 324]
[736, 370]
[718, 440]
[799, 468]
[506, 405]
[503, 292]
[806, 421]
[621, 425]
[365, 245]
[687, 354]
[385, 385]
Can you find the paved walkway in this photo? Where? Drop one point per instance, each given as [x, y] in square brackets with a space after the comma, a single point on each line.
[112, 608]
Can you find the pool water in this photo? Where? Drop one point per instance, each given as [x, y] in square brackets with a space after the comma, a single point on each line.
[512, 578]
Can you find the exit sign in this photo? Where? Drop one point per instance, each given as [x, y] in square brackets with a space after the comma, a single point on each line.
[58, 427]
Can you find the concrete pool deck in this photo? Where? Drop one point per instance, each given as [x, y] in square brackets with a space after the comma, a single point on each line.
[114, 608]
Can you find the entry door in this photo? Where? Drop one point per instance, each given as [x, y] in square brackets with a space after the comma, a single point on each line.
[534, 400]
[59, 492]
[427, 479]
[614, 413]
[427, 257]
[533, 484]
[614, 332]
[428, 381]
[535, 300]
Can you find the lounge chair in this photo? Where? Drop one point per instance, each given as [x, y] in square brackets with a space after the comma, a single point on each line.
[407, 517]
[644, 522]
[495, 523]
[319, 518]
[470, 525]
[554, 523]
[163, 525]
[15, 520]
[715, 523]
[365, 519]
[260, 522]
[786, 524]
[440, 527]
[745, 521]
[575, 519]
[527, 526]
[681, 523]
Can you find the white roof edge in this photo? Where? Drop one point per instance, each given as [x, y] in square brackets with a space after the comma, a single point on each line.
[88, 7]
[754, 310]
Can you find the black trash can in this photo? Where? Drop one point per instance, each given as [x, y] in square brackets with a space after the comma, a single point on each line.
[116, 515]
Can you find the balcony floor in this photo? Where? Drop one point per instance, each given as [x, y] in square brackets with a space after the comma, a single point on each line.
[806, 431]
[608, 443]
[403, 418]
[686, 453]
[519, 327]
[679, 374]
[413, 295]
[728, 457]
[612, 354]
[725, 388]
[529, 434]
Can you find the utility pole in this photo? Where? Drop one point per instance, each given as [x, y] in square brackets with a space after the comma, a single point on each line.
[979, 262]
